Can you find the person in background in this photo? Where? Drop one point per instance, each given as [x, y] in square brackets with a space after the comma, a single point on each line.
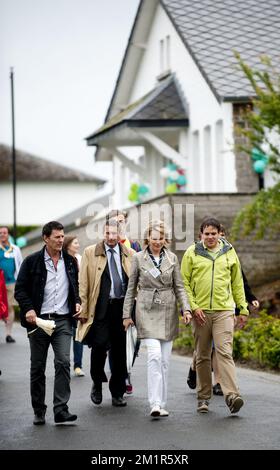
[10, 262]
[121, 218]
[213, 281]
[71, 245]
[156, 280]
[4, 309]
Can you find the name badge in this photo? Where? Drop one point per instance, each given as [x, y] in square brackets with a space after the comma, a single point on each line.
[9, 255]
[155, 272]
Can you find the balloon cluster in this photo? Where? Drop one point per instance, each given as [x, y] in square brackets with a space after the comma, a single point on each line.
[138, 192]
[175, 177]
[260, 160]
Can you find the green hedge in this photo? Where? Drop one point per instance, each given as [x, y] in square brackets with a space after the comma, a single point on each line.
[184, 344]
[257, 343]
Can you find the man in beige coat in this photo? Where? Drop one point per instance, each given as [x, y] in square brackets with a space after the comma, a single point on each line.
[105, 268]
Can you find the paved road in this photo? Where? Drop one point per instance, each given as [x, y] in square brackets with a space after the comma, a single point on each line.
[107, 427]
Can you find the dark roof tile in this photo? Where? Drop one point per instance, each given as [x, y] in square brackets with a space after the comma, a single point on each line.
[218, 27]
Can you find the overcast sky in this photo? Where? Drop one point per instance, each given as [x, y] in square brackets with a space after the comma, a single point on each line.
[66, 56]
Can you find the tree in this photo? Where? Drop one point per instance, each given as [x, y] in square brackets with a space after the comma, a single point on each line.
[262, 215]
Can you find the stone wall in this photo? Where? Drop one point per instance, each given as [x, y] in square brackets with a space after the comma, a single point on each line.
[246, 179]
[260, 259]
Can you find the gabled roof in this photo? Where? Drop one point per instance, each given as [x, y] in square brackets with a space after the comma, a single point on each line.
[164, 105]
[212, 29]
[32, 168]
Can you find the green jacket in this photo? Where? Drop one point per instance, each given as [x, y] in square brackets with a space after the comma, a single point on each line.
[213, 284]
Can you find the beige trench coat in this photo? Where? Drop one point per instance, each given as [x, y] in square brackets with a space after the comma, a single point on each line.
[93, 263]
[156, 306]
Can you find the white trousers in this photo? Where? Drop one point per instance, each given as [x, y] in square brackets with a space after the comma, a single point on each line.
[159, 353]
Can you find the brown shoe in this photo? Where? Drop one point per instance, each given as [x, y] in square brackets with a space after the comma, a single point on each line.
[202, 406]
[235, 403]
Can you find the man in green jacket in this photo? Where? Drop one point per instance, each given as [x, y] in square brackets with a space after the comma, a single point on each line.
[212, 277]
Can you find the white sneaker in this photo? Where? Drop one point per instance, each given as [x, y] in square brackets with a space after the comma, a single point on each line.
[79, 372]
[155, 411]
[163, 412]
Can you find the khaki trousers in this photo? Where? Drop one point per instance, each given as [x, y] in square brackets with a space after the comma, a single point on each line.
[219, 328]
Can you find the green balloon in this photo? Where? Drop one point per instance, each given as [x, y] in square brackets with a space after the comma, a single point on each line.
[181, 180]
[143, 189]
[171, 188]
[134, 187]
[133, 197]
[259, 166]
[21, 242]
[256, 155]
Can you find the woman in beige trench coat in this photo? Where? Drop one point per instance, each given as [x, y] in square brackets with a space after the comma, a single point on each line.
[156, 280]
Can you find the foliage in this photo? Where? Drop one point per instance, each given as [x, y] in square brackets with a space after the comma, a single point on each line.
[262, 135]
[261, 216]
[259, 341]
[22, 229]
[185, 341]
[264, 117]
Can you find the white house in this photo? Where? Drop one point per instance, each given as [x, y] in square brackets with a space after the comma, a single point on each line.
[45, 190]
[180, 91]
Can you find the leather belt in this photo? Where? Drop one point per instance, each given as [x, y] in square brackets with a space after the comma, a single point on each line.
[54, 316]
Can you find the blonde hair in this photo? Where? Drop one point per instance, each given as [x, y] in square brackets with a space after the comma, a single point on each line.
[158, 226]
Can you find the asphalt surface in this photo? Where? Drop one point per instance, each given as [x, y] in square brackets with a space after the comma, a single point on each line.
[256, 427]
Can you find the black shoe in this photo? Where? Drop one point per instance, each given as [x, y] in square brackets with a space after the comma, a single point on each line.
[96, 394]
[9, 339]
[118, 401]
[39, 418]
[217, 390]
[191, 380]
[64, 417]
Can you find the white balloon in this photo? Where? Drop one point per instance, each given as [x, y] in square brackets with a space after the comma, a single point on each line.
[164, 172]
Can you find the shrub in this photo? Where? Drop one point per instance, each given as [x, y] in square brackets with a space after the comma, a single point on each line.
[259, 341]
[185, 341]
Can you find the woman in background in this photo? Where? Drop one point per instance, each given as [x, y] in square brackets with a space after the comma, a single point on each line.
[71, 245]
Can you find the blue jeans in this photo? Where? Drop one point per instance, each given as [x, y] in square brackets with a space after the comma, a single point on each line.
[78, 351]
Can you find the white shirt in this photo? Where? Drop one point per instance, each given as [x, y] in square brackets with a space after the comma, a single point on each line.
[56, 288]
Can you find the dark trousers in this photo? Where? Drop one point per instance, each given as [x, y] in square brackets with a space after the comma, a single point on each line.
[77, 351]
[39, 345]
[116, 341]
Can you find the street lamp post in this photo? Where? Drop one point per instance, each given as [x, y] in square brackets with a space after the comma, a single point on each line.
[13, 157]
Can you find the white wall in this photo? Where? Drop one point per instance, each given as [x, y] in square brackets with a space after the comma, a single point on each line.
[205, 112]
[38, 203]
